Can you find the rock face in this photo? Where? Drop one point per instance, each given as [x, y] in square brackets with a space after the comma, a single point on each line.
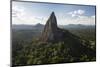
[51, 32]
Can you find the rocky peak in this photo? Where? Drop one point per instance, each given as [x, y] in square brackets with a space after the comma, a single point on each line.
[51, 22]
[51, 32]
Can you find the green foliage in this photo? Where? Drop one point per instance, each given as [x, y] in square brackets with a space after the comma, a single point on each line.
[27, 50]
[42, 53]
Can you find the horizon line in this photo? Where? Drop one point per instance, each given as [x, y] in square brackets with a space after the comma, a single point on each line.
[57, 24]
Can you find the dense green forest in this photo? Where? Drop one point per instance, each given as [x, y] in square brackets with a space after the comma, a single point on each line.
[26, 50]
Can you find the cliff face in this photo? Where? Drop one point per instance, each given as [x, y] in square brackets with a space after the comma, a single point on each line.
[51, 32]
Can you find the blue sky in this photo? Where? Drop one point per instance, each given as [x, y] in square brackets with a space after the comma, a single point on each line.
[33, 13]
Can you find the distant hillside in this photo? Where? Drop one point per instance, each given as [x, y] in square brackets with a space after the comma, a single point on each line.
[27, 27]
[41, 26]
[77, 26]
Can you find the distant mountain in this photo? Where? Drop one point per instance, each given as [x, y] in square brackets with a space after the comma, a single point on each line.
[28, 27]
[41, 26]
[77, 26]
[22, 27]
[38, 26]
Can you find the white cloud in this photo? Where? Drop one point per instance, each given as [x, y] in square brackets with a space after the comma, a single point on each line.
[79, 17]
[80, 20]
[29, 20]
[86, 20]
[21, 16]
[93, 16]
[17, 11]
[77, 13]
[80, 12]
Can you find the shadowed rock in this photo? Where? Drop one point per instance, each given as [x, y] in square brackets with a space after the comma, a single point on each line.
[51, 32]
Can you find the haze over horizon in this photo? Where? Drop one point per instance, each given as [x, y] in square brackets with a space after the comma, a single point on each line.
[32, 13]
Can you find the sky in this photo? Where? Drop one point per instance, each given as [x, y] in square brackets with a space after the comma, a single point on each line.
[32, 13]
